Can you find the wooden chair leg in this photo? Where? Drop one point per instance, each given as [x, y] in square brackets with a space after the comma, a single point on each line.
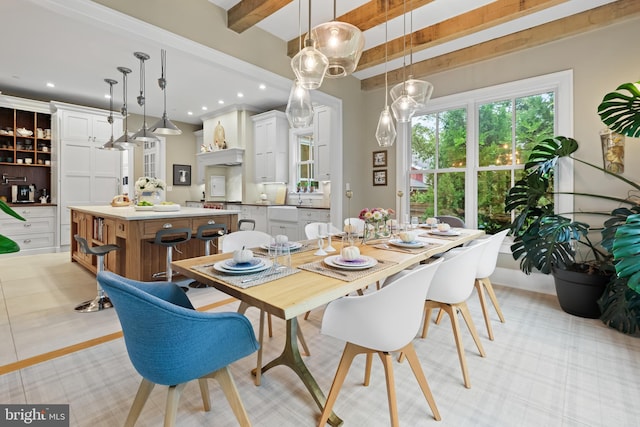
[439, 317]
[492, 295]
[171, 411]
[303, 342]
[269, 325]
[367, 369]
[428, 308]
[228, 385]
[410, 352]
[451, 311]
[204, 391]
[466, 315]
[350, 351]
[144, 390]
[387, 362]
[306, 315]
[483, 305]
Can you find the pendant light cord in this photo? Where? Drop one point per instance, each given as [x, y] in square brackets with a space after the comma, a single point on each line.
[404, 45]
[411, 38]
[386, 47]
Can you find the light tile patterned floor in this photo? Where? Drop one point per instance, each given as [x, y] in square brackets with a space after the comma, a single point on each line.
[545, 367]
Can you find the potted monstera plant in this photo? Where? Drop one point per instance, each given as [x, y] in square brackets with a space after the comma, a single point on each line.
[554, 243]
[7, 245]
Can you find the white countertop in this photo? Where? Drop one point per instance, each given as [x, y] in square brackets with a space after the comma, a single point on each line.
[130, 214]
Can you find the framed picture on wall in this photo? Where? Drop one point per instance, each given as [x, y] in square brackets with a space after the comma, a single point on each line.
[380, 177]
[181, 174]
[380, 159]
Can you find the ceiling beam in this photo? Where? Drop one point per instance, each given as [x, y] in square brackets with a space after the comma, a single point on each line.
[364, 17]
[248, 13]
[484, 17]
[533, 37]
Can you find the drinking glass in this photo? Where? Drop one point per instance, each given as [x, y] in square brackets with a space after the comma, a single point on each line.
[414, 222]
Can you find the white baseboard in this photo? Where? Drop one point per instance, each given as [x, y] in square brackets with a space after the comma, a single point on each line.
[535, 282]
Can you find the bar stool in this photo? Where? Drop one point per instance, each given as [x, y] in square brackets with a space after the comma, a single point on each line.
[208, 233]
[101, 301]
[170, 237]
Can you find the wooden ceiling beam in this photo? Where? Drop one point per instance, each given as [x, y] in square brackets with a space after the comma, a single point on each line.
[484, 17]
[582, 22]
[364, 17]
[248, 13]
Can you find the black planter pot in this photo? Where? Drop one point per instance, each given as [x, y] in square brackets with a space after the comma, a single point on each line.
[578, 292]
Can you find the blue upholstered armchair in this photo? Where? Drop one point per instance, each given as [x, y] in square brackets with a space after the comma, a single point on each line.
[170, 343]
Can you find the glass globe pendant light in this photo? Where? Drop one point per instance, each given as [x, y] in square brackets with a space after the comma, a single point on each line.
[144, 134]
[419, 90]
[110, 145]
[404, 106]
[386, 131]
[310, 65]
[124, 140]
[164, 126]
[342, 44]
[299, 108]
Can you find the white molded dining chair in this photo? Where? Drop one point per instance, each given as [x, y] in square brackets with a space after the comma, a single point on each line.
[253, 239]
[381, 322]
[311, 229]
[486, 267]
[357, 222]
[449, 291]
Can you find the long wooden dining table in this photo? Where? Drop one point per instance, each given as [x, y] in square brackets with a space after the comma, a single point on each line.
[313, 286]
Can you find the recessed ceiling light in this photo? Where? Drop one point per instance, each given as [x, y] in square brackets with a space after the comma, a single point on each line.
[262, 86]
[106, 95]
[240, 95]
[221, 102]
[204, 108]
[190, 113]
[49, 84]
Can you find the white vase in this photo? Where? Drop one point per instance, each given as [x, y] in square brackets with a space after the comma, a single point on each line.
[154, 197]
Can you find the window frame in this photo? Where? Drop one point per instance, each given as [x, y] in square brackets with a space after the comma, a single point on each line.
[561, 83]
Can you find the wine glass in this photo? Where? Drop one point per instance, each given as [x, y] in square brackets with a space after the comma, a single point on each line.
[414, 222]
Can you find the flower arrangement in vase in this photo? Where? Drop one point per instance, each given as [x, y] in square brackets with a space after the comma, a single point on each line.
[150, 189]
[376, 222]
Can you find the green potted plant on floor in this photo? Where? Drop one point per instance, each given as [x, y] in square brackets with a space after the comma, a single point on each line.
[554, 243]
[7, 245]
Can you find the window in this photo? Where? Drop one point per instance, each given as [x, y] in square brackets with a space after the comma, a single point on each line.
[304, 158]
[154, 159]
[468, 149]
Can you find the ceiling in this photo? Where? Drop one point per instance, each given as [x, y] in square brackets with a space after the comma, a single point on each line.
[77, 44]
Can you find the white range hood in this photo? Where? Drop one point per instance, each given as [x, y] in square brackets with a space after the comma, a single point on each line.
[226, 157]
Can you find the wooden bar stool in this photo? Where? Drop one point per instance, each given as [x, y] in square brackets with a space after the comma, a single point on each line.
[208, 233]
[101, 301]
[169, 238]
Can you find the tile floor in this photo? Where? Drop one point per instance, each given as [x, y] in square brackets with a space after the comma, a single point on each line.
[545, 367]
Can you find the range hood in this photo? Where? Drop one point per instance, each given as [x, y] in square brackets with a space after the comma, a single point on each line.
[226, 157]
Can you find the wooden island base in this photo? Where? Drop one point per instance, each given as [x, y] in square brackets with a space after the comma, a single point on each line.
[134, 231]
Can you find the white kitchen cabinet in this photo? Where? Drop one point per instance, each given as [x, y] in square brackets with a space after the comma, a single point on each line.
[322, 143]
[289, 229]
[85, 174]
[36, 234]
[307, 216]
[271, 146]
[256, 213]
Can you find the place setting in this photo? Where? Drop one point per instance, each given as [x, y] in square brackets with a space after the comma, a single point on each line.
[244, 269]
[349, 265]
[406, 241]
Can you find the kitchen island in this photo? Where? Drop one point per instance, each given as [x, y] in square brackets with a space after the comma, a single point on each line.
[134, 231]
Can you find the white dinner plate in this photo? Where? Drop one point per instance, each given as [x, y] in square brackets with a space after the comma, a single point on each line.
[230, 264]
[221, 267]
[292, 246]
[415, 244]
[444, 233]
[338, 262]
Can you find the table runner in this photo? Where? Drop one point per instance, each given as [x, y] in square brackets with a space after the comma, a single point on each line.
[255, 278]
[345, 275]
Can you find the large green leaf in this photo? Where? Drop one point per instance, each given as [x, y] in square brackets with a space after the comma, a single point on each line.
[620, 110]
[545, 155]
[7, 209]
[7, 245]
[626, 251]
